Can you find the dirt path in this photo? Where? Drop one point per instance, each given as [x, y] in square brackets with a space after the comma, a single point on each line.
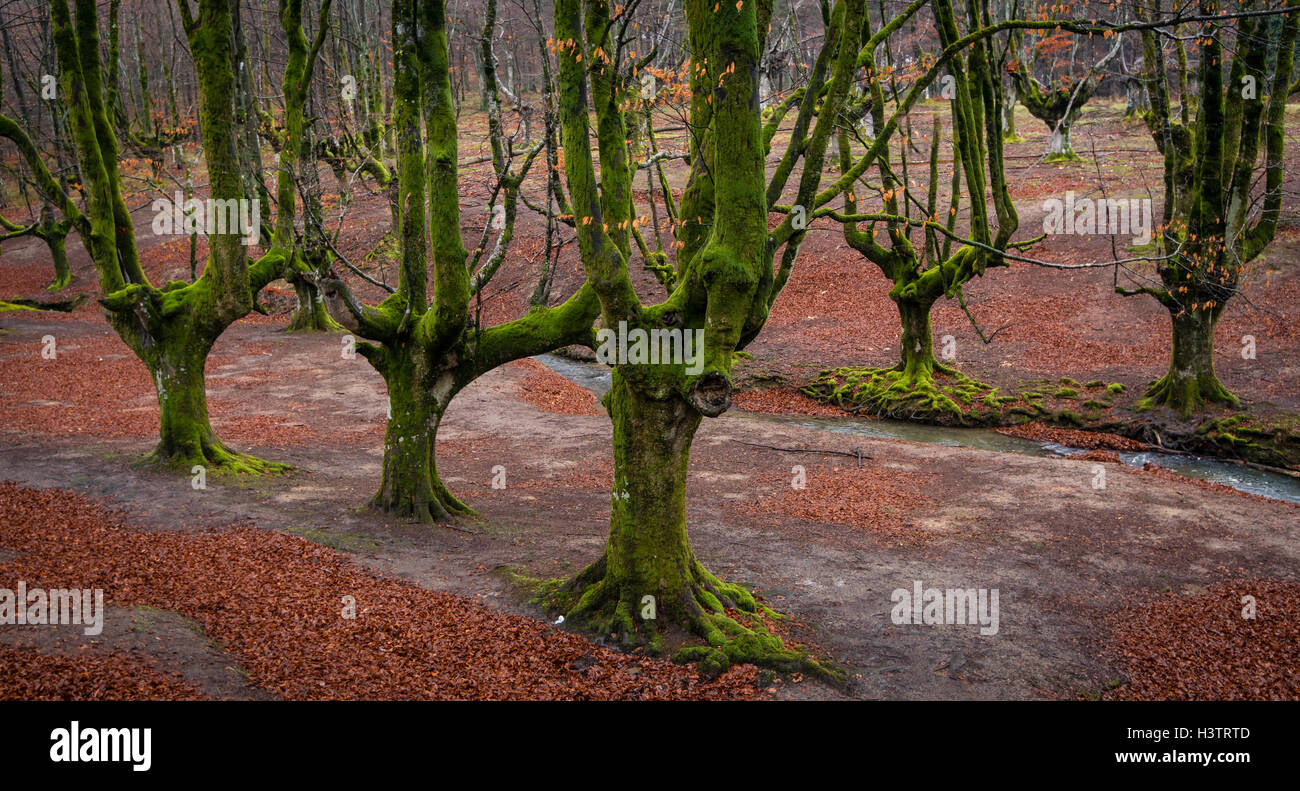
[1061, 553]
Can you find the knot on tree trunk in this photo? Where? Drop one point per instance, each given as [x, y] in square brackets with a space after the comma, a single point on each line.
[711, 394]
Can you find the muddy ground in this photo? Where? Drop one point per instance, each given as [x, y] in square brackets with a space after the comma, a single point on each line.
[1063, 554]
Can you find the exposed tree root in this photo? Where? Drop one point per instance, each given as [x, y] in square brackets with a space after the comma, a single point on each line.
[212, 456]
[910, 392]
[432, 504]
[724, 615]
[60, 282]
[1185, 394]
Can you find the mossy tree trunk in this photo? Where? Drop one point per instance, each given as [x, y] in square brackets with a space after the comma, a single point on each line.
[309, 313]
[916, 343]
[417, 398]
[56, 239]
[1009, 115]
[723, 289]
[309, 260]
[1058, 142]
[428, 350]
[1215, 221]
[170, 328]
[1191, 382]
[177, 363]
[911, 389]
[648, 569]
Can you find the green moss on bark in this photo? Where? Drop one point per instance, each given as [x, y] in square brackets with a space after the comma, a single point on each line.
[410, 487]
[1190, 383]
[648, 580]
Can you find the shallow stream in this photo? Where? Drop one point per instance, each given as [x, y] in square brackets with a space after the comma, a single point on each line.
[596, 377]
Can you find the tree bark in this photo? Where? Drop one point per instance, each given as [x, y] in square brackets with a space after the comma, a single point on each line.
[176, 359]
[1009, 114]
[1191, 381]
[177, 365]
[1059, 143]
[648, 552]
[648, 576]
[417, 397]
[917, 342]
[59, 252]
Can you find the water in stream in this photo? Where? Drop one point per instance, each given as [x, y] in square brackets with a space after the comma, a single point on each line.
[1277, 485]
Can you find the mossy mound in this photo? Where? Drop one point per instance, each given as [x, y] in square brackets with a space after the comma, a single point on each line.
[941, 394]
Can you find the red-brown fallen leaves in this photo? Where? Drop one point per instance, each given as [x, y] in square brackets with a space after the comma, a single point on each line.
[782, 401]
[552, 392]
[596, 475]
[1087, 440]
[89, 675]
[94, 385]
[1180, 647]
[277, 431]
[1108, 456]
[275, 601]
[866, 498]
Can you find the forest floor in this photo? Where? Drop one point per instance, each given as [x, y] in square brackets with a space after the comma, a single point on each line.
[1131, 590]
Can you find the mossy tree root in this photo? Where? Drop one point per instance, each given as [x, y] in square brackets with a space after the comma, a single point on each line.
[904, 390]
[724, 615]
[208, 452]
[424, 499]
[648, 583]
[60, 282]
[1187, 394]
